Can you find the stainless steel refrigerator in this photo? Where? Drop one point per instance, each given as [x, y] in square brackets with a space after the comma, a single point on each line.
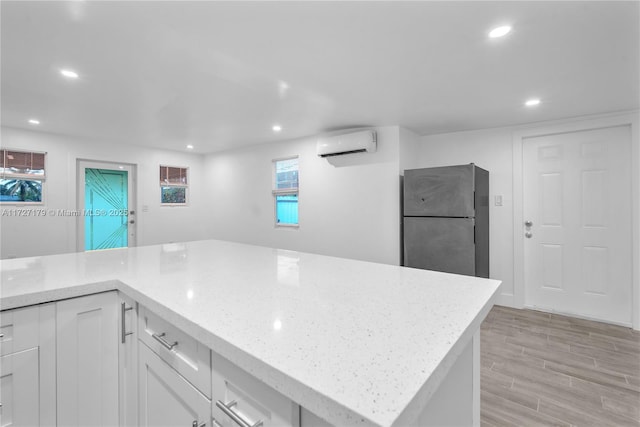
[446, 219]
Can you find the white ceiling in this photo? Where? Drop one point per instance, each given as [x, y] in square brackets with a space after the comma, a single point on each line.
[218, 75]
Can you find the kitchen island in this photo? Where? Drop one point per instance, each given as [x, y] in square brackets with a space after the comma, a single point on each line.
[352, 342]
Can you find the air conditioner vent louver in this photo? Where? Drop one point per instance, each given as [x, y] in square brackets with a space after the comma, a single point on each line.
[343, 152]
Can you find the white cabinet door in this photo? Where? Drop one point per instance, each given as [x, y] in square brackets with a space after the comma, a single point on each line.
[27, 333]
[19, 389]
[128, 356]
[166, 398]
[87, 354]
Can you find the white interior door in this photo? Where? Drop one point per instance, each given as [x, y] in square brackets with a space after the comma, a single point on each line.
[577, 212]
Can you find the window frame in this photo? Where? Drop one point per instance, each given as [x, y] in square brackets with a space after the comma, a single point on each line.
[284, 191]
[174, 185]
[26, 177]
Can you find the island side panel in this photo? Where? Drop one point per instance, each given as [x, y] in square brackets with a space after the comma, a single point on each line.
[456, 402]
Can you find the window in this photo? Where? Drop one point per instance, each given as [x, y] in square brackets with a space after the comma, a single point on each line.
[286, 191]
[173, 185]
[21, 176]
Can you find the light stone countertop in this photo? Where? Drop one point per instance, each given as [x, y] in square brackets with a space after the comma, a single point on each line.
[354, 342]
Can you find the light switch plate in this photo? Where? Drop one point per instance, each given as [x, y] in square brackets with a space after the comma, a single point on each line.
[498, 200]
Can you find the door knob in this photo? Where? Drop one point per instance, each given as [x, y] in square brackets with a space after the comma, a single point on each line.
[528, 223]
[132, 222]
[528, 235]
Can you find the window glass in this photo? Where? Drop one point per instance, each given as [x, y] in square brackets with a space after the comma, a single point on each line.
[285, 192]
[174, 195]
[22, 176]
[20, 190]
[173, 176]
[287, 209]
[287, 174]
[173, 185]
[22, 163]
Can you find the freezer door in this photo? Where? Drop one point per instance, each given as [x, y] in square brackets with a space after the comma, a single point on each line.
[440, 244]
[443, 191]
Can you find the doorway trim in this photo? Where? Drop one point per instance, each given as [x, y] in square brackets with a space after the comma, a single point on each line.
[632, 120]
[80, 184]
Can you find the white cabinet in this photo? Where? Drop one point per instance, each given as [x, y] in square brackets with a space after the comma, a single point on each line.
[104, 360]
[19, 389]
[27, 366]
[166, 398]
[87, 360]
[241, 399]
[185, 354]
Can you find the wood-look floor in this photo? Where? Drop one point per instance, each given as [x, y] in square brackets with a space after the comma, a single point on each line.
[551, 370]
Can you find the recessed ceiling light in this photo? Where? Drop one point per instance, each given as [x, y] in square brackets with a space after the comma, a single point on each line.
[190, 147]
[70, 74]
[276, 128]
[532, 102]
[34, 121]
[499, 31]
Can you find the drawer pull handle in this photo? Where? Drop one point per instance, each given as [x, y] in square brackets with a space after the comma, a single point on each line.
[195, 424]
[166, 344]
[234, 415]
[123, 330]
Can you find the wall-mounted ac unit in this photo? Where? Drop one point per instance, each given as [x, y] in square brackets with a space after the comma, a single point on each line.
[354, 142]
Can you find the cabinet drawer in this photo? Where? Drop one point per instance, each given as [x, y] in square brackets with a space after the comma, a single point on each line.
[20, 328]
[241, 398]
[166, 398]
[185, 354]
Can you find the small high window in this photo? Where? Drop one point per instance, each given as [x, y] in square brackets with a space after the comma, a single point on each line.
[22, 175]
[174, 185]
[285, 191]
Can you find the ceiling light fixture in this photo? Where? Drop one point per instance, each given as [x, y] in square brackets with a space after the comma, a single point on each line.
[190, 147]
[70, 74]
[276, 128]
[532, 102]
[34, 121]
[499, 31]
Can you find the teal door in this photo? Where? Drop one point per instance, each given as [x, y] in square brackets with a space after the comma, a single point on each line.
[105, 209]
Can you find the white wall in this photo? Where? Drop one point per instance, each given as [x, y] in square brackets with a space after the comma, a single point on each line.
[349, 205]
[30, 236]
[410, 146]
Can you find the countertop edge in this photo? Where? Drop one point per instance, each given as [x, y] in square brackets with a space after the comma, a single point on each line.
[421, 399]
[43, 297]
